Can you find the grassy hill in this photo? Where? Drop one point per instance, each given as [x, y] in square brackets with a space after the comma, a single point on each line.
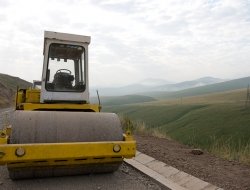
[8, 86]
[121, 100]
[208, 89]
[177, 95]
[217, 122]
[233, 96]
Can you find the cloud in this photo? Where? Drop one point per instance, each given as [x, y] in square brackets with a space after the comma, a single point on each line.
[4, 3]
[132, 40]
[122, 6]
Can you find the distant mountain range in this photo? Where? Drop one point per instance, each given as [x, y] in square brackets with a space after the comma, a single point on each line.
[202, 90]
[154, 82]
[221, 87]
[155, 85]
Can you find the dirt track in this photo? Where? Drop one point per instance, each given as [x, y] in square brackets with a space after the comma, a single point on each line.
[223, 173]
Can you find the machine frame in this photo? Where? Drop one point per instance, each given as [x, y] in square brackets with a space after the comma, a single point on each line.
[53, 154]
[58, 154]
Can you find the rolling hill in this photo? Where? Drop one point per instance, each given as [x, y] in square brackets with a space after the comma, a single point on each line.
[8, 86]
[189, 84]
[154, 85]
[222, 87]
[217, 122]
[121, 100]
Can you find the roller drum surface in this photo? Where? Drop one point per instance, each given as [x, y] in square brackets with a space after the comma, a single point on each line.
[54, 127]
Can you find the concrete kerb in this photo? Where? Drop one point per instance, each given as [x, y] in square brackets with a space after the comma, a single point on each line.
[167, 175]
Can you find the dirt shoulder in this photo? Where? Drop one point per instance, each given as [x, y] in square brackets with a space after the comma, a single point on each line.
[223, 173]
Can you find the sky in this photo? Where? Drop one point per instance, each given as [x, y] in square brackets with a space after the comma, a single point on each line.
[132, 40]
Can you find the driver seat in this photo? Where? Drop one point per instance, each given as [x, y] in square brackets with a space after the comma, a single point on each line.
[63, 80]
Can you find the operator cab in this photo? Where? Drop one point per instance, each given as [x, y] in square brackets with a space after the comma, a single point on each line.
[65, 68]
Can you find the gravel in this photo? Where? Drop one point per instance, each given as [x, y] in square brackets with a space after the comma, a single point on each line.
[220, 172]
[125, 178]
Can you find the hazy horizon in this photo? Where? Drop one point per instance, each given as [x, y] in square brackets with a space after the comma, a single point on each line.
[146, 81]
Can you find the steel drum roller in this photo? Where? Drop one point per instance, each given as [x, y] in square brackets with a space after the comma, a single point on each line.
[59, 126]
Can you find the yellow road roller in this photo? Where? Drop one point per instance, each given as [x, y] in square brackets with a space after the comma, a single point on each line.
[55, 131]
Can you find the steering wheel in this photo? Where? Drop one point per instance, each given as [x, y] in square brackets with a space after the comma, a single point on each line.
[60, 70]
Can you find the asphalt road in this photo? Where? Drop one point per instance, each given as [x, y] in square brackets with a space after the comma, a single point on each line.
[124, 178]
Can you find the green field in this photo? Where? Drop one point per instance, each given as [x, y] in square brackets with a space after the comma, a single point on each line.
[219, 123]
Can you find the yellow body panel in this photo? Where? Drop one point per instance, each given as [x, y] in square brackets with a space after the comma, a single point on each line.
[32, 96]
[30, 100]
[70, 153]
[28, 96]
[47, 154]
